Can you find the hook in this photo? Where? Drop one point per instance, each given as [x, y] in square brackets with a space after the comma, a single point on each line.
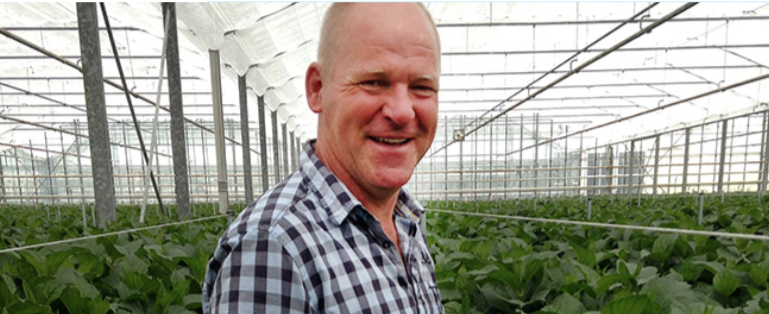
[641, 23]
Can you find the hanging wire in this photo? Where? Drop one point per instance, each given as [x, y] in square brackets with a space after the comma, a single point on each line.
[130, 104]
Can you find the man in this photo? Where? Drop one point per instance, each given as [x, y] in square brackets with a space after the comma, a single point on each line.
[340, 235]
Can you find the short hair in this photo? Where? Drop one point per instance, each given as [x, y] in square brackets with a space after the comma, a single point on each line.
[332, 26]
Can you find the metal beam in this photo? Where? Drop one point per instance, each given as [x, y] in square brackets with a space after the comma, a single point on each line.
[678, 102]
[261, 105]
[90, 48]
[604, 53]
[221, 157]
[178, 141]
[635, 49]
[285, 145]
[73, 65]
[722, 156]
[687, 143]
[512, 88]
[553, 23]
[656, 165]
[275, 145]
[245, 139]
[765, 156]
[560, 99]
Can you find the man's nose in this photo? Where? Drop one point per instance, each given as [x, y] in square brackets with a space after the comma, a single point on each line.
[399, 107]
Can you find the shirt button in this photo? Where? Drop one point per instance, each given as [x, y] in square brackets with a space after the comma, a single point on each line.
[387, 245]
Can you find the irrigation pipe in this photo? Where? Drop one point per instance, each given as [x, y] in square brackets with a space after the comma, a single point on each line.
[39, 245]
[71, 64]
[612, 226]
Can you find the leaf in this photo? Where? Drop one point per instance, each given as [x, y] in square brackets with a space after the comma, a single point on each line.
[75, 280]
[690, 271]
[663, 247]
[584, 256]
[565, 304]
[700, 308]
[725, 283]
[637, 304]
[670, 293]
[73, 301]
[758, 275]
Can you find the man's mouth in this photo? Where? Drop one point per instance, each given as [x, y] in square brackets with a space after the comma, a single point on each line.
[390, 141]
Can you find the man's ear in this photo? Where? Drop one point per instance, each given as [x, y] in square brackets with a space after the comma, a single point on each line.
[313, 84]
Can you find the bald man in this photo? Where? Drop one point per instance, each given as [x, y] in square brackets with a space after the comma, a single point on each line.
[341, 235]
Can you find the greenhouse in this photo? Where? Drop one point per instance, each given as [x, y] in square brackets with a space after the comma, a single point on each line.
[589, 157]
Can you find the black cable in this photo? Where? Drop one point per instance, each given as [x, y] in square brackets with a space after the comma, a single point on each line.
[130, 105]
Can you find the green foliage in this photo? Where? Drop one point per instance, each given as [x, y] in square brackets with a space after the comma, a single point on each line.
[535, 267]
[152, 271]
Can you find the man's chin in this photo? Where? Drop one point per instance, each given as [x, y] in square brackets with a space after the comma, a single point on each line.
[392, 179]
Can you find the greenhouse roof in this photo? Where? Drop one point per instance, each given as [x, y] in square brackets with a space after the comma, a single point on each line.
[707, 62]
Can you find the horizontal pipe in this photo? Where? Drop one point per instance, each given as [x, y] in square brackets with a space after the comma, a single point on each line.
[634, 49]
[588, 22]
[701, 67]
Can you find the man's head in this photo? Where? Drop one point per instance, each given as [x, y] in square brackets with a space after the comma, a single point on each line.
[375, 88]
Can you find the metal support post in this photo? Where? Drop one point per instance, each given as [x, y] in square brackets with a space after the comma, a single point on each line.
[656, 164]
[292, 144]
[632, 168]
[507, 149]
[128, 178]
[2, 179]
[550, 162]
[609, 167]
[579, 166]
[234, 161]
[98, 140]
[285, 145]
[461, 157]
[536, 154]
[178, 141]
[565, 161]
[446, 159]
[762, 156]
[687, 142]
[520, 159]
[189, 167]
[49, 169]
[275, 145]
[221, 158]
[261, 105]
[18, 175]
[722, 157]
[245, 140]
[761, 188]
[80, 175]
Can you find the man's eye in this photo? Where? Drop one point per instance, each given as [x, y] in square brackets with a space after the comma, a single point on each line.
[422, 89]
[371, 83]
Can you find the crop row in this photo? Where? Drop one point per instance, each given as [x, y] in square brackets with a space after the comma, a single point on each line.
[495, 265]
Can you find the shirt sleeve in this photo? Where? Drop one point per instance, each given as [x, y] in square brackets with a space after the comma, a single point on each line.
[258, 276]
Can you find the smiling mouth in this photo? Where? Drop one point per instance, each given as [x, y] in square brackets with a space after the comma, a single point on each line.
[391, 141]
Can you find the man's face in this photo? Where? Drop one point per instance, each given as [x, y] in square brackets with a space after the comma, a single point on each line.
[378, 106]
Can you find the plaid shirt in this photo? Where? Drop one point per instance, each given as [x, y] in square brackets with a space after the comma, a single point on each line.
[309, 246]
